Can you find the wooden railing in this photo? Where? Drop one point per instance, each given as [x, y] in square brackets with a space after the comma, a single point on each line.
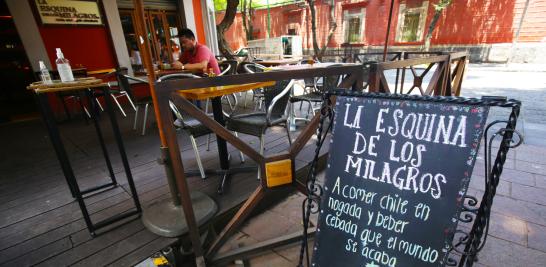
[441, 72]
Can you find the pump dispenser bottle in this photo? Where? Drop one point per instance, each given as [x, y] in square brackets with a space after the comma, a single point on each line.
[63, 67]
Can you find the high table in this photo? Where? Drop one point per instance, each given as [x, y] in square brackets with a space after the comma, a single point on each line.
[87, 85]
[278, 62]
[215, 93]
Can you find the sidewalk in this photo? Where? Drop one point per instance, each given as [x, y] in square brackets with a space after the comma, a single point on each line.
[511, 67]
[517, 234]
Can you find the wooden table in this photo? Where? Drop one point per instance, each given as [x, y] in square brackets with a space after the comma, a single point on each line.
[278, 62]
[310, 66]
[86, 85]
[215, 93]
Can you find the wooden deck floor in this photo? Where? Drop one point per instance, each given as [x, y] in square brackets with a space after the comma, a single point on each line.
[41, 224]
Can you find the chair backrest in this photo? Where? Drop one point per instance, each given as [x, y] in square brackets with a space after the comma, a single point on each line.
[176, 76]
[276, 98]
[253, 67]
[228, 67]
[309, 82]
[330, 82]
[174, 108]
[123, 82]
[224, 69]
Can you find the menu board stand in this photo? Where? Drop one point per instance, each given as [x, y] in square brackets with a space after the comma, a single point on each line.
[461, 247]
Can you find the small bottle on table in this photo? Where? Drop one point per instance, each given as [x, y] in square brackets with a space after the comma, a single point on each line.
[44, 73]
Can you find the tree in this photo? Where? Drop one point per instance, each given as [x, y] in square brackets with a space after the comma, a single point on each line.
[319, 52]
[227, 21]
[247, 14]
[438, 9]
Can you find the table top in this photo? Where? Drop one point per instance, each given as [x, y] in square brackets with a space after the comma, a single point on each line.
[277, 62]
[58, 86]
[310, 66]
[204, 93]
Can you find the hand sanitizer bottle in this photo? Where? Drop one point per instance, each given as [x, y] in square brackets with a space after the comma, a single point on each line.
[63, 67]
[44, 73]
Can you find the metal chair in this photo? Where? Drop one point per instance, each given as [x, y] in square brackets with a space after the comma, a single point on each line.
[310, 83]
[251, 67]
[227, 67]
[315, 96]
[256, 123]
[190, 125]
[117, 91]
[77, 96]
[124, 84]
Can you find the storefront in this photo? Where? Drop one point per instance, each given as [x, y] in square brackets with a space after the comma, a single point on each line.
[100, 34]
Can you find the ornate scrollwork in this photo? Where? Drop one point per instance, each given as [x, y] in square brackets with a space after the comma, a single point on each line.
[311, 204]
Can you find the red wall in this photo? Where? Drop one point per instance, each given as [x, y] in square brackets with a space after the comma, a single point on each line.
[85, 46]
[88, 47]
[467, 22]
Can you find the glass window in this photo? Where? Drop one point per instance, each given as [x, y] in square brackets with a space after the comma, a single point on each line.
[353, 24]
[410, 28]
[353, 34]
[172, 22]
[162, 32]
[411, 22]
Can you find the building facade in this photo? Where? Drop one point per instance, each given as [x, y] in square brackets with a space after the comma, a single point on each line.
[92, 34]
[492, 30]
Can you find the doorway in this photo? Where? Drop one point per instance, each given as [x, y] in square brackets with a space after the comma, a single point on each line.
[16, 102]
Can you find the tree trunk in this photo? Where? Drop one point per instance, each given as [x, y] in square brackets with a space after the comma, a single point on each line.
[314, 27]
[247, 14]
[438, 9]
[332, 25]
[227, 21]
[332, 28]
[431, 28]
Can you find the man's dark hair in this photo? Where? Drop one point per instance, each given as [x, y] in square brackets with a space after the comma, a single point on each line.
[187, 33]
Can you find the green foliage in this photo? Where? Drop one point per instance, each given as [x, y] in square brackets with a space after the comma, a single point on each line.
[441, 5]
[220, 5]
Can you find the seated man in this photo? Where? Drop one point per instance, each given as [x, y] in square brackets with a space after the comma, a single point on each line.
[196, 57]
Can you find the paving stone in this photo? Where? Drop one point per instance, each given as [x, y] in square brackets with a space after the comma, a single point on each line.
[477, 182]
[529, 193]
[533, 157]
[529, 153]
[508, 228]
[292, 253]
[500, 253]
[520, 177]
[523, 210]
[291, 207]
[270, 260]
[531, 167]
[537, 237]
[269, 225]
[540, 180]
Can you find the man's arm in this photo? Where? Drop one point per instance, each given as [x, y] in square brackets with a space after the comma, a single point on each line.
[202, 66]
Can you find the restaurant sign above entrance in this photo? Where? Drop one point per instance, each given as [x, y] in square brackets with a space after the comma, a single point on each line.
[69, 12]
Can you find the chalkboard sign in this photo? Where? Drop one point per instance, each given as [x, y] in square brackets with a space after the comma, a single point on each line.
[396, 176]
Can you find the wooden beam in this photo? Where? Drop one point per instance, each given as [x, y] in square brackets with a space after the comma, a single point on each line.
[178, 170]
[259, 248]
[237, 220]
[217, 128]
